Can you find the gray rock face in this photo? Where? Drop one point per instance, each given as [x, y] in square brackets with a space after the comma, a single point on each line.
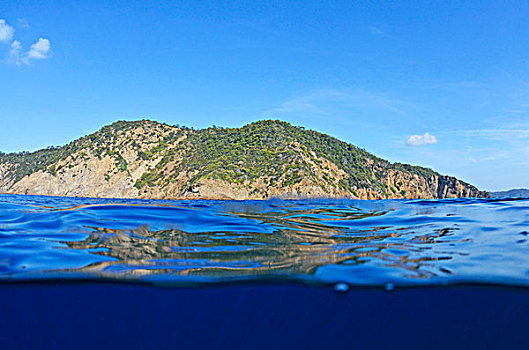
[450, 187]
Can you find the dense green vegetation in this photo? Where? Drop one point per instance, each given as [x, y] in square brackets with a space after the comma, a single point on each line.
[275, 151]
[26, 163]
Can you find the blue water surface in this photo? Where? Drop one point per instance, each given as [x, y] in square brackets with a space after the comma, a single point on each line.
[343, 242]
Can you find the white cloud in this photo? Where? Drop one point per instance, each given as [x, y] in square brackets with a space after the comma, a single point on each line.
[15, 54]
[6, 31]
[39, 50]
[421, 140]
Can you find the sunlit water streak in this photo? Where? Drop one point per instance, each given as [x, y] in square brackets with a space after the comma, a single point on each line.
[387, 242]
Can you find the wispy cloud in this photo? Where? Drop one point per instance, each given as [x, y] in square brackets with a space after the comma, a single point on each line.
[326, 102]
[499, 134]
[421, 140]
[15, 53]
[6, 31]
[295, 105]
[375, 30]
[23, 23]
[501, 140]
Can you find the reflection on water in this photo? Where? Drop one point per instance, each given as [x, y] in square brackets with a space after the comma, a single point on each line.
[360, 242]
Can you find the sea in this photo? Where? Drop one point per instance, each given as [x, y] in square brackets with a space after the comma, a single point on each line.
[276, 274]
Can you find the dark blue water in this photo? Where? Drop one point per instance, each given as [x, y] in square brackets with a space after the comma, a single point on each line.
[388, 243]
[86, 273]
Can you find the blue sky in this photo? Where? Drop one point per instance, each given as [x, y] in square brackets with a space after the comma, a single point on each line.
[454, 74]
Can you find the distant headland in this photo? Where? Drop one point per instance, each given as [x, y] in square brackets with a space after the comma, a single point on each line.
[514, 193]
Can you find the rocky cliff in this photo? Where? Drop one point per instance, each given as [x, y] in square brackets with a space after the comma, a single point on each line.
[265, 159]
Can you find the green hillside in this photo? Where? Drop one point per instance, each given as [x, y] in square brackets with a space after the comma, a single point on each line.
[263, 155]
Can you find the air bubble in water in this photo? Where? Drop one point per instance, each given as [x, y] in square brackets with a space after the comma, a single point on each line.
[390, 286]
[341, 287]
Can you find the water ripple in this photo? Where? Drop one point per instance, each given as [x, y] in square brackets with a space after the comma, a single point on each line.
[402, 242]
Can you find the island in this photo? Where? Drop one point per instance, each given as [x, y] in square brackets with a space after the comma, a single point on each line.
[262, 160]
